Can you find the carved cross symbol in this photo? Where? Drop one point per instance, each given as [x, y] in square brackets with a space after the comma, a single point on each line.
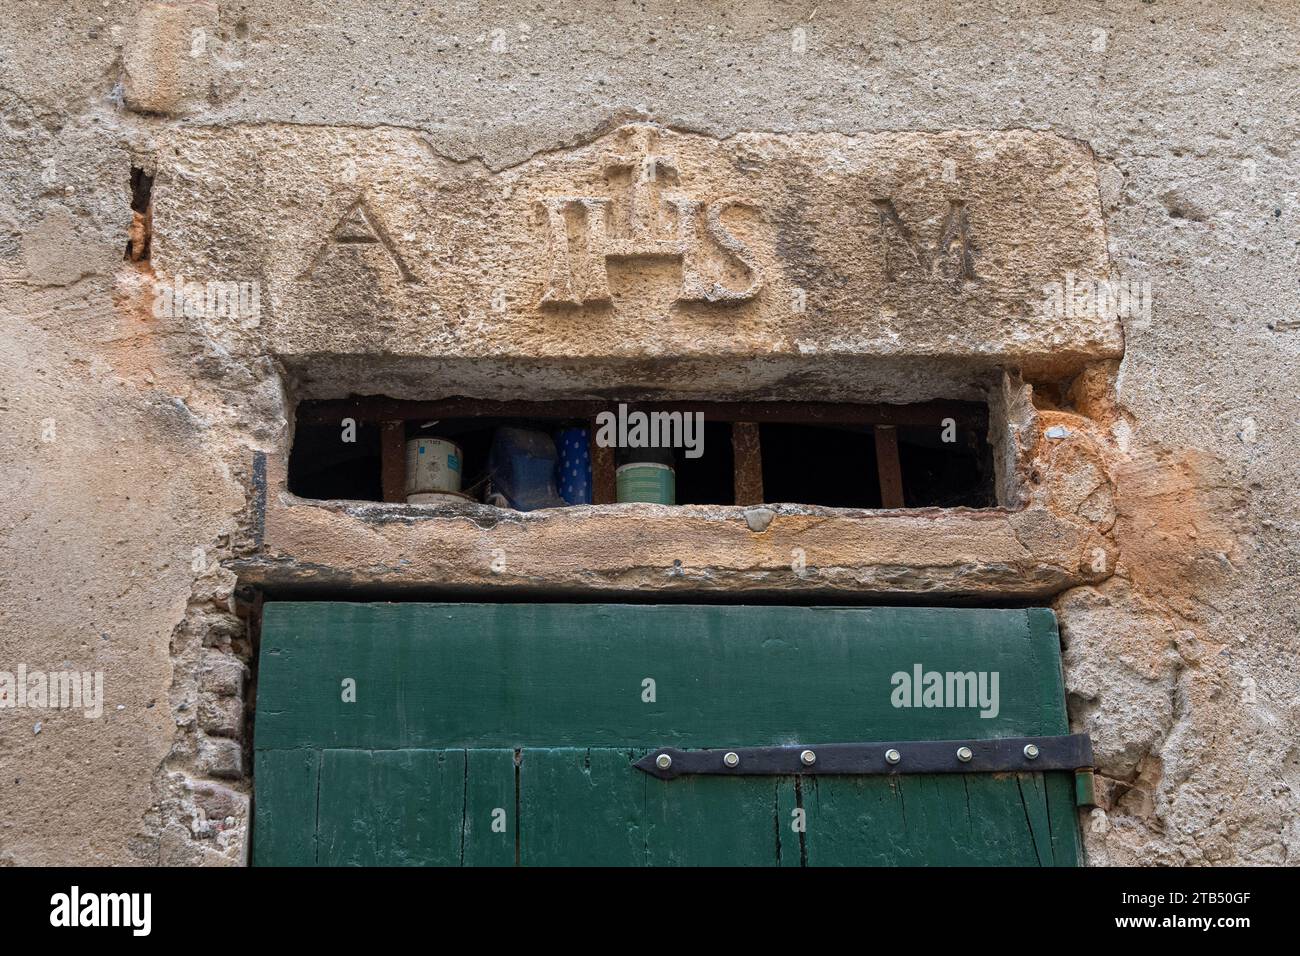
[647, 169]
[696, 236]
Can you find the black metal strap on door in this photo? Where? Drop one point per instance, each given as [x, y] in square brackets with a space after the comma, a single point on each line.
[999, 755]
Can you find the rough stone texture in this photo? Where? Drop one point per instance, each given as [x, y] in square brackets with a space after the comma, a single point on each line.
[1033, 551]
[644, 243]
[1181, 652]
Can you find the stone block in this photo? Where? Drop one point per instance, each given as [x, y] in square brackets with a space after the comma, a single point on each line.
[221, 757]
[850, 259]
[221, 675]
[168, 55]
[222, 716]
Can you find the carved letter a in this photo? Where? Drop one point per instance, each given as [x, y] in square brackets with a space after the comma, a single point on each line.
[359, 227]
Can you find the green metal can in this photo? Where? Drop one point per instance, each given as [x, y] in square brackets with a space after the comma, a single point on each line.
[647, 481]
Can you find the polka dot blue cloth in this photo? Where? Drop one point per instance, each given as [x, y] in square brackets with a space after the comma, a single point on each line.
[573, 466]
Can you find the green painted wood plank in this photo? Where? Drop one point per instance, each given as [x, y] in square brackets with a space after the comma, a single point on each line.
[1033, 797]
[711, 821]
[284, 829]
[936, 820]
[445, 692]
[856, 821]
[1012, 824]
[1002, 823]
[591, 807]
[507, 675]
[1063, 819]
[789, 841]
[582, 807]
[391, 807]
[490, 823]
[1044, 646]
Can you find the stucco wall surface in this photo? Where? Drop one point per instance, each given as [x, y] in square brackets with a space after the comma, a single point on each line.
[128, 438]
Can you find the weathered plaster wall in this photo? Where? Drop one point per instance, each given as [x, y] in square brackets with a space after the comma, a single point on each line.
[1182, 663]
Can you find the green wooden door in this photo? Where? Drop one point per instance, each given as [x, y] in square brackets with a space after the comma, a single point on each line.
[504, 734]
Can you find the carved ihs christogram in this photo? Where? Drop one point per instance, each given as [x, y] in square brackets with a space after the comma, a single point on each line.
[649, 220]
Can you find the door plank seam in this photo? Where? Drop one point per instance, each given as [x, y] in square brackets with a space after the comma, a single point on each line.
[776, 818]
[315, 850]
[1033, 839]
[803, 833]
[464, 809]
[519, 759]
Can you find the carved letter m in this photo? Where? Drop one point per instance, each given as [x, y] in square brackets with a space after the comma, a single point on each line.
[951, 258]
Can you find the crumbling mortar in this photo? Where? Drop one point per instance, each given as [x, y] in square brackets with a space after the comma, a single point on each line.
[1151, 776]
[200, 770]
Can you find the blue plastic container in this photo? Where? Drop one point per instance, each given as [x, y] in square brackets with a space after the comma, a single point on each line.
[521, 465]
[573, 466]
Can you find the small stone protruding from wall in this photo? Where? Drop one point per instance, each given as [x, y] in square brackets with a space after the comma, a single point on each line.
[221, 757]
[206, 823]
[222, 716]
[168, 55]
[221, 675]
[221, 694]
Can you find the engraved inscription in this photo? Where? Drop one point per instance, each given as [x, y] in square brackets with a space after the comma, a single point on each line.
[952, 257]
[648, 221]
[359, 228]
[645, 242]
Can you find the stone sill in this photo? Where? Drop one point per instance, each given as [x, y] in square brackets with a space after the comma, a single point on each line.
[625, 549]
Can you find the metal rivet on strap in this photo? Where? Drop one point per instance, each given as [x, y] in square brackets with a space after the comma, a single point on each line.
[663, 761]
[1031, 751]
[964, 754]
[808, 758]
[892, 756]
[731, 758]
